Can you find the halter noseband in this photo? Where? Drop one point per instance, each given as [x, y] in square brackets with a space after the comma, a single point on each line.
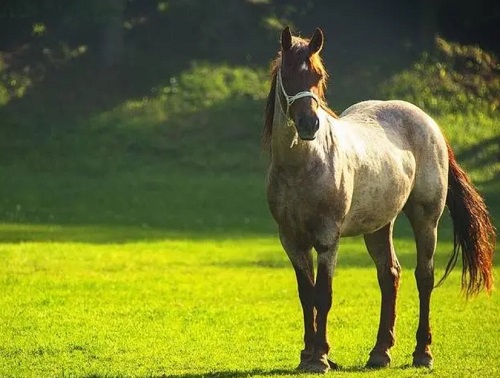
[291, 99]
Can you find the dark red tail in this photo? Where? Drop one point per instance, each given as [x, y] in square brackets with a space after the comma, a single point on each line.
[474, 233]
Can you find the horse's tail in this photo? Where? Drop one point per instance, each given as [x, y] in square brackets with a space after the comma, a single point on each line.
[473, 231]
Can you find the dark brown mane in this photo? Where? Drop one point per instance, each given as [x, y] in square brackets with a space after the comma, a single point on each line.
[316, 65]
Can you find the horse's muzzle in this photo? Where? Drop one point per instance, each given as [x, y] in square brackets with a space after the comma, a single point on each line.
[307, 127]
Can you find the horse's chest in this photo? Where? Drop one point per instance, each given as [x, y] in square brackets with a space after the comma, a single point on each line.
[303, 206]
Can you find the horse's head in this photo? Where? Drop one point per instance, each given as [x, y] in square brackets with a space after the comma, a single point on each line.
[301, 79]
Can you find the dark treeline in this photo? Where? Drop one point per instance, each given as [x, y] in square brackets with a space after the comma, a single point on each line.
[366, 40]
[237, 27]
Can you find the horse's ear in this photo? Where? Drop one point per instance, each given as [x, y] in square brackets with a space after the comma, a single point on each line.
[316, 43]
[286, 39]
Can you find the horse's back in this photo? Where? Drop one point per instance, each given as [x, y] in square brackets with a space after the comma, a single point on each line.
[404, 124]
[393, 114]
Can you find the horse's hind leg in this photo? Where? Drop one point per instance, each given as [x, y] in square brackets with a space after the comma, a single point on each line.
[424, 219]
[424, 275]
[381, 249]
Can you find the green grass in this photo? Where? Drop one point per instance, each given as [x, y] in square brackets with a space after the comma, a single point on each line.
[136, 242]
[159, 272]
[212, 307]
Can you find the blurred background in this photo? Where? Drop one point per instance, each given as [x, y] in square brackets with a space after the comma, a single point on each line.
[147, 114]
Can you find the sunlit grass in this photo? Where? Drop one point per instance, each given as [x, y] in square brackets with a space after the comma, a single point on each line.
[212, 307]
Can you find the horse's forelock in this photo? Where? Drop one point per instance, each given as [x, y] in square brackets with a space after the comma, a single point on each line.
[299, 52]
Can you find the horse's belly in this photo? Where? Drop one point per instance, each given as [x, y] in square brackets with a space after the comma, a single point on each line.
[364, 223]
[374, 207]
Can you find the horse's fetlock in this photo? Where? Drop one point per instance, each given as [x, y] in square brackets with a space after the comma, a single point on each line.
[322, 348]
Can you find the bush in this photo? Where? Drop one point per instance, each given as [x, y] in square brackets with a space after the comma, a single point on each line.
[201, 87]
[206, 116]
[454, 78]
[12, 84]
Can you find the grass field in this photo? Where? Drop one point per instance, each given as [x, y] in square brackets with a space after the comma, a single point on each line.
[143, 275]
[137, 243]
[212, 307]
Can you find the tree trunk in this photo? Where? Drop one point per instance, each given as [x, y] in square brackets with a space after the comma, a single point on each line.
[112, 46]
[428, 22]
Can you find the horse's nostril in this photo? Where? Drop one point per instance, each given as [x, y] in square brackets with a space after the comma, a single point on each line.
[307, 126]
[316, 124]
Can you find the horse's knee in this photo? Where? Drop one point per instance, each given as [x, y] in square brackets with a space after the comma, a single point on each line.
[389, 277]
[424, 275]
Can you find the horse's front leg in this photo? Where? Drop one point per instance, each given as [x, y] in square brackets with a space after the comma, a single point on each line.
[304, 272]
[327, 258]
[300, 254]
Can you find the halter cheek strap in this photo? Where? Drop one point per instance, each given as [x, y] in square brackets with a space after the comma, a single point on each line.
[291, 99]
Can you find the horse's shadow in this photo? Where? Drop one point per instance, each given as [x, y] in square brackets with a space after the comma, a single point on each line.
[234, 373]
[262, 372]
[223, 374]
[274, 372]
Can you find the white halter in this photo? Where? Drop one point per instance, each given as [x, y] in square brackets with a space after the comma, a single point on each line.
[291, 99]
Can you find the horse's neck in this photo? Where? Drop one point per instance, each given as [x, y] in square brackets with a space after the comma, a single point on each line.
[288, 149]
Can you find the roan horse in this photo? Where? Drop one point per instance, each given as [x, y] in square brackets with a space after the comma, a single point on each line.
[335, 176]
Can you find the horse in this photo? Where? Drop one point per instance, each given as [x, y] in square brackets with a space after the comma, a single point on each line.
[331, 176]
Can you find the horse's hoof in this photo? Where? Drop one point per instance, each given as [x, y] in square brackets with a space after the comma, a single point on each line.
[423, 361]
[378, 360]
[305, 358]
[313, 367]
[319, 366]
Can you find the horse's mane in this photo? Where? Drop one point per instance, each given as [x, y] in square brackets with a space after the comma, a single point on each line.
[316, 65]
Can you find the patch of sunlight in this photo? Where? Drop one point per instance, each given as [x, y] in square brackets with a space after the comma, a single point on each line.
[162, 6]
[273, 23]
[13, 86]
[134, 22]
[38, 29]
[63, 53]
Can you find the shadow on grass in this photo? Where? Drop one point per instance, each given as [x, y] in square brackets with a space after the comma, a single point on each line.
[233, 373]
[154, 202]
[249, 373]
[131, 206]
[482, 153]
[275, 372]
[137, 206]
